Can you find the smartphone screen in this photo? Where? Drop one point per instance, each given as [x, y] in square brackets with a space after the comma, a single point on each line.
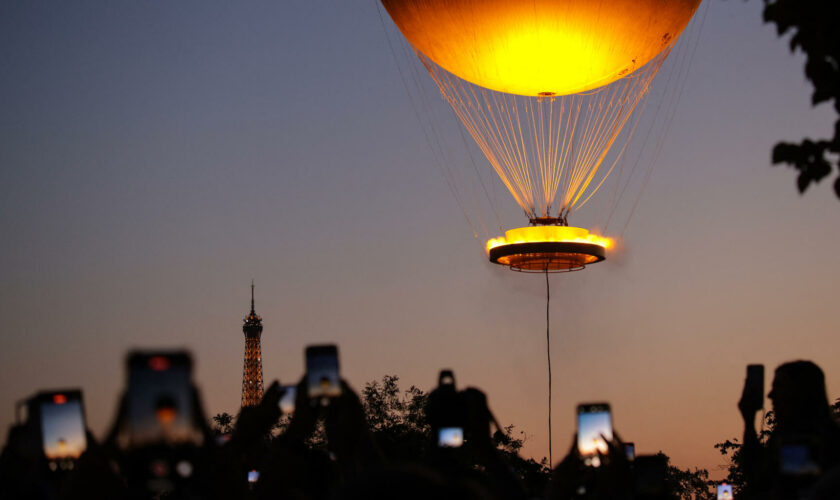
[594, 425]
[450, 437]
[447, 378]
[160, 399]
[797, 460]
[724, 492]
[287, 401]
[253, 476]
[754, 386]
[630, 451]
[322, 372]
[62, 422]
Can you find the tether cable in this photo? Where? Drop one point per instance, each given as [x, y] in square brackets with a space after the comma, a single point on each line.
[548, 355]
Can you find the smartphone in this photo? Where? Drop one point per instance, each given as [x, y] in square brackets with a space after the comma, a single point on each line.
[322, 372]
[630, 451]
[447, 378]
[61, 417]
[798, 460]
[160, 403]
[724, 492]
[754, 386]
[450, 437]
[594, 430]
[253, 476]
[287, 401]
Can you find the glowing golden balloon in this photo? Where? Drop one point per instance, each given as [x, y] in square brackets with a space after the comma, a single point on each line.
[541, 47]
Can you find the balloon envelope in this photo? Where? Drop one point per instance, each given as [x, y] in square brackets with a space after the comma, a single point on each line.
[541, 47]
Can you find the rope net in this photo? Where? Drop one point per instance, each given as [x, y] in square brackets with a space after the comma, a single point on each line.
[552, 153]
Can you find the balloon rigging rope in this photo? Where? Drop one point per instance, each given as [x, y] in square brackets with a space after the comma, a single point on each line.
[537, 150]
[432, 132]
[683, 66]
[548, 355]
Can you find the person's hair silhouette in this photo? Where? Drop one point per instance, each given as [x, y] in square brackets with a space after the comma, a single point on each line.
[803, 450]
[799, 398]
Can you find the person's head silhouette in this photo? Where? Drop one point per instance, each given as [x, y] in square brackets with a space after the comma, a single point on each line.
[799, 394]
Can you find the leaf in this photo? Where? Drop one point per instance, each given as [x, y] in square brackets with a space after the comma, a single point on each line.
[814, 32]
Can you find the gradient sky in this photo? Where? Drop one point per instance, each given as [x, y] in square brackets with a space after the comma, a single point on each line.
[156, 156]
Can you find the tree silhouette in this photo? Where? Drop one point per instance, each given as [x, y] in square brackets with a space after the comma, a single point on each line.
[222, 423]
[397, 420]
[687, 484]
[813, 23]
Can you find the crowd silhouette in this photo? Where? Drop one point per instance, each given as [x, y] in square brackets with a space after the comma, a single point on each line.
[161, 445]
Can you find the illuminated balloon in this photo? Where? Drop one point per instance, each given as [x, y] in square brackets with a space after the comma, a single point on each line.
[545, 88]
[541, 47]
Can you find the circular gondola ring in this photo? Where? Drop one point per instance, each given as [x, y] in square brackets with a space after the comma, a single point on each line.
[547, 256]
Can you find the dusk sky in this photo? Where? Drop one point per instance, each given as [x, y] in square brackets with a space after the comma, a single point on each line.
[157, 156]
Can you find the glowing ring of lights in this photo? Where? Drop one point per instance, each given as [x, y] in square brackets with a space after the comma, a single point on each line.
[551, 256]
[548, 248]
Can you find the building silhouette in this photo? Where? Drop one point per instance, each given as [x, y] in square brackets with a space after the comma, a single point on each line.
[252, 378]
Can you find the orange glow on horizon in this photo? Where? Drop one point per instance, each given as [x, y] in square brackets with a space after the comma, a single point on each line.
[536, 234]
